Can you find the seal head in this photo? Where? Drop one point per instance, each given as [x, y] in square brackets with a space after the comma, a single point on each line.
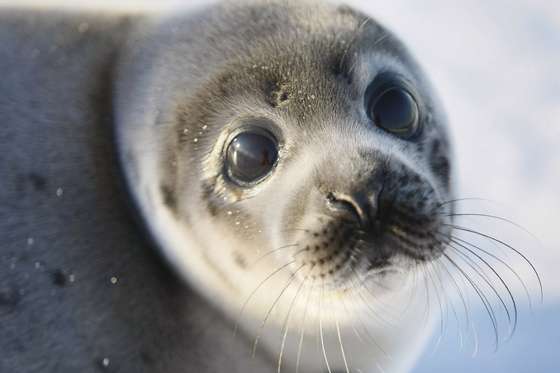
[287, 156]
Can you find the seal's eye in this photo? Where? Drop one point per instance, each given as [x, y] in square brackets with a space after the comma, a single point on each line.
[394, 109]
[250, 156]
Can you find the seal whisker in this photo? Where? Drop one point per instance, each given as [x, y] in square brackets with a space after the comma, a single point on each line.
[389, 322]
[294, 230]
[353, 40]
[460, 293]
[302, 328]
[456, 200]
[290, 281]
[366, 330]
[482, 274]
[442, 319]
[510, 294]
[358, 289]
[321, 299]
[448, 301]
[495, 217]
[503, 262]
[428, 297]
[341, 345]
[254, 292]
[356, 333]
[285, 327]
[483, 298]
[268, 253]
[496, 240]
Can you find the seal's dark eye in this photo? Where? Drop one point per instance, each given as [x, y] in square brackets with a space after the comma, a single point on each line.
[251, 156]
[395, 110]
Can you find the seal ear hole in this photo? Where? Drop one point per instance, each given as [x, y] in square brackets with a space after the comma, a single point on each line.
[391, 105]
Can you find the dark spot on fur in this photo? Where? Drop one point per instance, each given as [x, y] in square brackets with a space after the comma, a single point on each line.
[37, 181]
[346, 10]
[441, 167]
[146, 358]
[239, 260]
[59, 278]
[225, 84]
[439, 162]
[435, 147]
[169, 198]
[9, 299]
[404, 180]
[276, 94]
[207, 196]
[339, 68]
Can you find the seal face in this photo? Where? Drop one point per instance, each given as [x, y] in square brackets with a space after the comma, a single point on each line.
[296, 154]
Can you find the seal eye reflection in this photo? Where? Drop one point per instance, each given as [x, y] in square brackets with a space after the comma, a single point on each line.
[395, 110]
[251, 156]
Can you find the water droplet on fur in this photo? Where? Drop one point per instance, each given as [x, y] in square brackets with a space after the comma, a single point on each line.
[114, 280]
[185, 131]
[195, 140]
[30, 241]
[205, 127]
[37, 265]
[105, 362]
[230, 212]
[59, 192]
[237, 222]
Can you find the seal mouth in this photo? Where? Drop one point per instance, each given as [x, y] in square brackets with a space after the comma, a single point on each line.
[337, 249]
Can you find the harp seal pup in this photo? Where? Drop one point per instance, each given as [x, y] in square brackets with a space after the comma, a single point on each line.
[289, 160]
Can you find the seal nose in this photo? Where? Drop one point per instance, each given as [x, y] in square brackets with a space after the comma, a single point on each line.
[361, 206]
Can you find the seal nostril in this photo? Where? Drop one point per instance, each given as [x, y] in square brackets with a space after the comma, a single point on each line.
[349, 206]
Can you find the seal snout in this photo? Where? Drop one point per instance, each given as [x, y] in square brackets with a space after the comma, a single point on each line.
[366, 225]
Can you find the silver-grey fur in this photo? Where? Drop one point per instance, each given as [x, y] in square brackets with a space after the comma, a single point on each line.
[80, 287]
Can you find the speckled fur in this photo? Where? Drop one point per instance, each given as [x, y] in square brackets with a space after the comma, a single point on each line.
[79, 281]
[65, 225]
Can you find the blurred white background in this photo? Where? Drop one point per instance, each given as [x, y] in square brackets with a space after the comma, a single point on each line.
[495, 65]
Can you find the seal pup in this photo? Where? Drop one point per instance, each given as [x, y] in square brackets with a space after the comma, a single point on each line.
[289, 160]
[292, 162]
